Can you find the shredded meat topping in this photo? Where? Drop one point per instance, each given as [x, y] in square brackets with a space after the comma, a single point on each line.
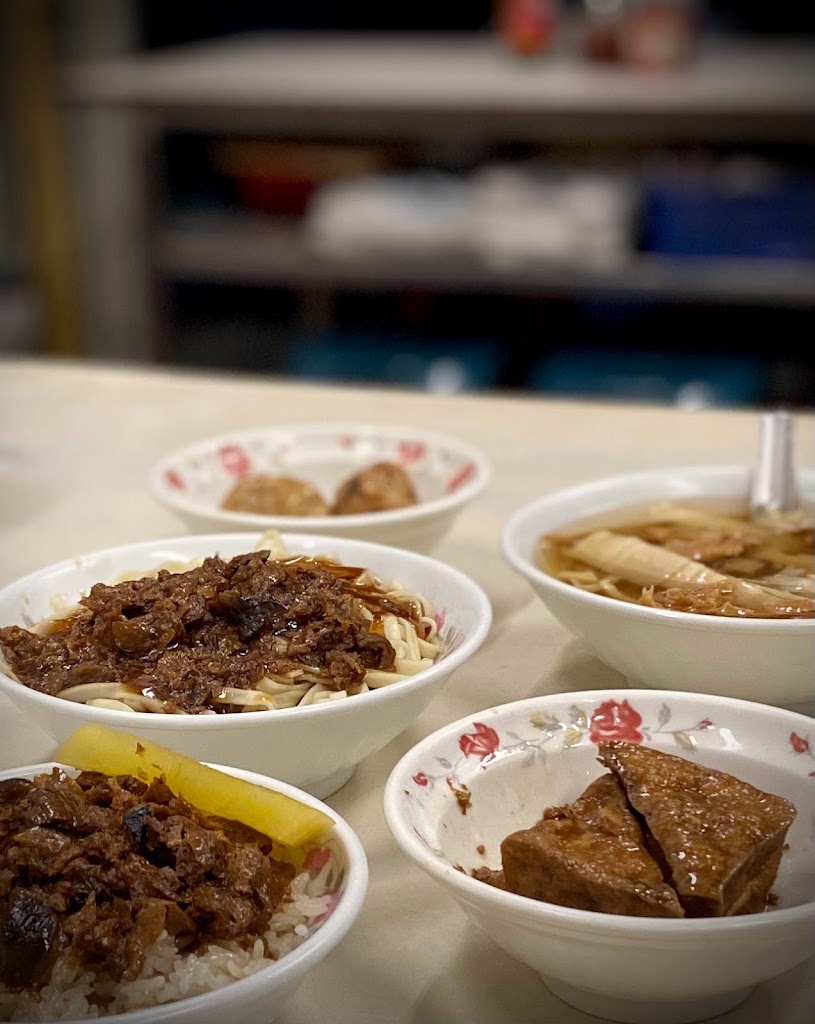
[183, 637]
[103, 865]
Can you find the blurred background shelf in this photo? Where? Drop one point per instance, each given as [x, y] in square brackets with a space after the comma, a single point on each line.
[457, 87]
[247, 250]
[227, 164]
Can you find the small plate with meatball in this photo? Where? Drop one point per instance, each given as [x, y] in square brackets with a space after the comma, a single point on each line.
[395, 485]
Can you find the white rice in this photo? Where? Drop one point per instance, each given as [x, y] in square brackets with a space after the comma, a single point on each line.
[167, 975]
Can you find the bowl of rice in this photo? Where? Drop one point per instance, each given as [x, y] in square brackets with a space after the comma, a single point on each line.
[238, 978]
[387, 483]
[293, 655]
[667, 578]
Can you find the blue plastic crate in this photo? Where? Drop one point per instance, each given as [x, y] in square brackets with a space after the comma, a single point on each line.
[709, 218]
[432, 364]
[690, 379]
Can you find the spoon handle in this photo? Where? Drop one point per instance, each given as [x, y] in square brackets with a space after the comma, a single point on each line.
[773, 487]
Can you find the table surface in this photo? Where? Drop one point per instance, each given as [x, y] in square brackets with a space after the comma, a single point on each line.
[76, 443]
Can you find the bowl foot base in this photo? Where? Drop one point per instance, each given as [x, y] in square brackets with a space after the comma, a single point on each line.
[630, 1011]
[325, 787]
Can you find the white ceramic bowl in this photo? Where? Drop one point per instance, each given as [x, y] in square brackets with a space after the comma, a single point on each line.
[447, 474]
[259, 998]
[316, 747]
[519, 758]
[766, 660]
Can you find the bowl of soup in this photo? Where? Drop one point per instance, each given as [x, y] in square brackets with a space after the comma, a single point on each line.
[665, 576]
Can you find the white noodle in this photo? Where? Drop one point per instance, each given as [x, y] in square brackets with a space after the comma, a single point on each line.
[409, 667]
[319, 693]
[283, 695]
[244, 698]
[86, 692]
[106, 702]
[376, 678]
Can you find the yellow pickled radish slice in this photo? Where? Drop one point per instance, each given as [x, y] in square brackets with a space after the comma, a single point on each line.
[113, 752]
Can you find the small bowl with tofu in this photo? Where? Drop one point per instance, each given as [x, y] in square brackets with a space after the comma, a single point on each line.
[392, 484]
[667, 577]
[649, 854]
[156, 887]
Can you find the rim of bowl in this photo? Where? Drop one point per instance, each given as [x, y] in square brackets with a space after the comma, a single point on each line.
[522, 563]
[470, 644]
[313, 949]
[570, 918]
[410, 513]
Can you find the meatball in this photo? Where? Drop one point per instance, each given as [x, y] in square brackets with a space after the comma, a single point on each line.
[275, 496]
[382, 486]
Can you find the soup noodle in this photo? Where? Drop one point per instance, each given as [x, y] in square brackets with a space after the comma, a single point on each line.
[687, 559]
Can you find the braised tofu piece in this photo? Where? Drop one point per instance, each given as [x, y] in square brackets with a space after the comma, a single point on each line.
[755, 896]
[721, 838]
[589, 855]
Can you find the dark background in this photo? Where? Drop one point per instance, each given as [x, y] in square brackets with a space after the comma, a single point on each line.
[167, 23]
[541, 339]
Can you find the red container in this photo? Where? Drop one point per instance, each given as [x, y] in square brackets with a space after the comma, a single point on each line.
[527, 27]
[280, 177]
[270, 194]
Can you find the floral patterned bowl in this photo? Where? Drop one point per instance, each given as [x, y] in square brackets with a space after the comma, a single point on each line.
[446, 473]
[455, 795]
[338, 870]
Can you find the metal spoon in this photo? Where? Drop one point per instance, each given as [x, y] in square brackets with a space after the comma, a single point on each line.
[773, 487]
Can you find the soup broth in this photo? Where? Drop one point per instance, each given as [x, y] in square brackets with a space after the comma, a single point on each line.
[691, 557]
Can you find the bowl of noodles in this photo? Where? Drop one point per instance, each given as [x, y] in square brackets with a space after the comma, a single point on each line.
[140, 905]
[387, 483]
[668, 579]
[293, 655]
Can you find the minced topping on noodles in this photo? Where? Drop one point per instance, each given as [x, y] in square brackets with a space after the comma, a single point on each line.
[254, 632]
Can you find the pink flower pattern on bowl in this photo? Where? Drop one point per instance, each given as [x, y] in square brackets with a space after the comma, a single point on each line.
[175, 480]
[450, 637]
[410, 452]
[481, 743]
[612, 719]
[235, 460]
[326, 878]
[198, 473]
[801, 745]
[616, 720]
[478, 747]
[460, 477]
